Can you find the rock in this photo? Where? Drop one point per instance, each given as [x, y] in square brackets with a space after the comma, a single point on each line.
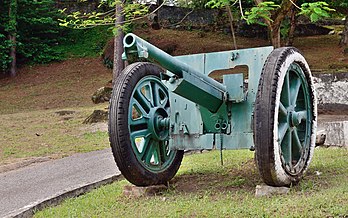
[102, 95]
[265, 190]
[135, 191]
[345, 51]
[97, 116]
[320, 138]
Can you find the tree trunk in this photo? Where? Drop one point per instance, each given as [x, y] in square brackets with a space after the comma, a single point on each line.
[12, 12]
[230, 16]
[277, 17]
[290, 40]
[118, 48]
[275, 36]
[13, 65]
[344, 39]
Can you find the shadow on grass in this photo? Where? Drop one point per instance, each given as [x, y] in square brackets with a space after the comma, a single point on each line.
[244, 178]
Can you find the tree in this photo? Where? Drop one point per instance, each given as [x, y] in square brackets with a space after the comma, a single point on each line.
[12, 31]
[273, 14]
[314, 11]
[341, 6]
[28, 31]
[121, 17]
[344, 39]
[118, 48]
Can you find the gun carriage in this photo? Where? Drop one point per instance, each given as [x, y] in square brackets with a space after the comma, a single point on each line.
[159, 110]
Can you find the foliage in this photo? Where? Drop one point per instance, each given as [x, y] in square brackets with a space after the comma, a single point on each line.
[84, 42]
[196, 4]
[80, 20]
[217, 3]
[5, 59]
[316, 10]
[262, 10]
[37, 32]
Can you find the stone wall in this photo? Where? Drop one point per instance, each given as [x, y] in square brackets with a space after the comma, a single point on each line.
[73, 5]
[185, 18]
[331, 91]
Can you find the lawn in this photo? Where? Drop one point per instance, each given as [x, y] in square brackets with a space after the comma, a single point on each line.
[53, 133]
[204, 188]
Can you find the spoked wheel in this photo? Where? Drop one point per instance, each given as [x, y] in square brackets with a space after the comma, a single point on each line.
[139, 126]
[284, 118]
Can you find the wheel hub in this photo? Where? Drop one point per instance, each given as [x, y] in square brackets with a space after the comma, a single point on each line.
[159, 123]
[295, 118]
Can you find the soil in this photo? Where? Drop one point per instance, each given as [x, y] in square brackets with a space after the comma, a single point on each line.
[65, 84]
[235, 179]
[323, 53]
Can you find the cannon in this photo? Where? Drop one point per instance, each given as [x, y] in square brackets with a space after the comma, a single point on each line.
[163, 107]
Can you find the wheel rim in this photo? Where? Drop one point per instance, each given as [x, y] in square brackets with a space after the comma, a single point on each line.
[149, 124]
[294, 120]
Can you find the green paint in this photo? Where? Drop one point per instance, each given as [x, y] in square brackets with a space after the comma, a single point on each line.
[200, 105]
[294, 119]
[149, 124]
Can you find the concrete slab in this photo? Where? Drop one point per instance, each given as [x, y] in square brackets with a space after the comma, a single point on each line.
[47, 183]
[336, 129]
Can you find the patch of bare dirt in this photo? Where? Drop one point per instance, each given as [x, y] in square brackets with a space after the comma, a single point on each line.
[245, 177]
[69, 83]
[10, 165]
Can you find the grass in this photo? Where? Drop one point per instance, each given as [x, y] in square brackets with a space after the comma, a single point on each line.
[46, 133]
[203, 188]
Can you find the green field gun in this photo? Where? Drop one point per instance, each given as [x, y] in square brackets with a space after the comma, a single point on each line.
[262, 99]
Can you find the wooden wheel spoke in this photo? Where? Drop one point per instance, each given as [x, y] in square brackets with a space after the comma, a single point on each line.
[156, 95]
[285, 94]
[294, 90]
[297, 146]
[282, 130]
[142, 133]
[149, 152]
[282, 110]
[161, 96]
[138, 124]
[287, 147]
[140, 108]
[143, 102]
[146, 149]
[157, 154]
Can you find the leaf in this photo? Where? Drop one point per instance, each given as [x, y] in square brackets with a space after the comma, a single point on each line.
[314, 17]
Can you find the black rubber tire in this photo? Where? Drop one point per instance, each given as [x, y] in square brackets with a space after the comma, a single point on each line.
[119, 134]
[268, 151]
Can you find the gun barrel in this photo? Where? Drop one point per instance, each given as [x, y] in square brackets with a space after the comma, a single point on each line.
[212, 90]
